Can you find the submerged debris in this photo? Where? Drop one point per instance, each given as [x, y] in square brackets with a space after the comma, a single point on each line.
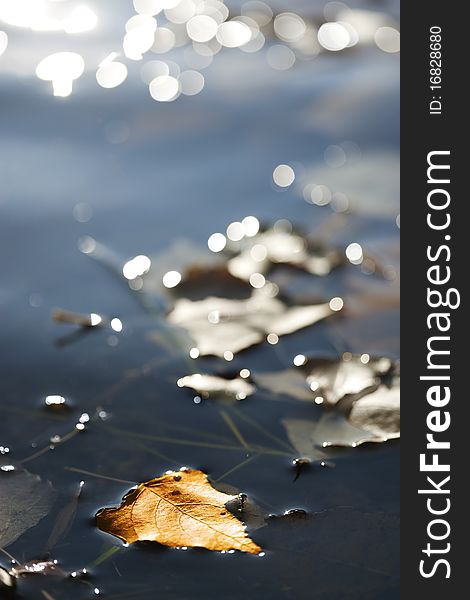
[24, 500]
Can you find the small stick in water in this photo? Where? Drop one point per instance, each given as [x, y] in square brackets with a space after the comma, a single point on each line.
[65, 316]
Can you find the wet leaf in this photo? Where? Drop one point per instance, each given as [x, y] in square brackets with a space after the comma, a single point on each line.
[327, 380]
[301, 434]
[378, 413]
[220, 325]
[260, 253]
[202, 280]
[243, 507]
[64, 519]
[290, 382]
[181, 256]
[212, 386]
[24, 500]
[178, 509]
[373, 418]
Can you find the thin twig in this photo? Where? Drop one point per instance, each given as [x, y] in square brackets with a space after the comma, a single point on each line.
[46, 449]
[7, 554]
[261, 429]
[236, 467]
[98, 475]
[233, 428]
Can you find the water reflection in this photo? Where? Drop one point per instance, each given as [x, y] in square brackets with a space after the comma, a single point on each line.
[122, 155]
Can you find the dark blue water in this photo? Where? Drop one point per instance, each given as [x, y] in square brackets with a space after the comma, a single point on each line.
[186, 169]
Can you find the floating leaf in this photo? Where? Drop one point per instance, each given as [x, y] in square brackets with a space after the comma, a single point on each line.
[301, 434]
[290, 382]
[378, 413]
[180, 256]
[326, 380]
[202, 280]
[374, 417]
[244, 507]
[7, 581]
[261, 252]
[24, 500]
[178, 509]
[209, 386]
[64, 519]
[221, 325]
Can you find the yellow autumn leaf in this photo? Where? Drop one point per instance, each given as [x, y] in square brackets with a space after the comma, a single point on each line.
[180, 508]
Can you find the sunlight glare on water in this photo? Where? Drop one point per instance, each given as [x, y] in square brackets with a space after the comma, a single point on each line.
[283, 175]
[61, 68]
[354, 253]
[334, 36]
[217, 242]
[40, 15]
[136, 267]
[171, 279]
[289, 27]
